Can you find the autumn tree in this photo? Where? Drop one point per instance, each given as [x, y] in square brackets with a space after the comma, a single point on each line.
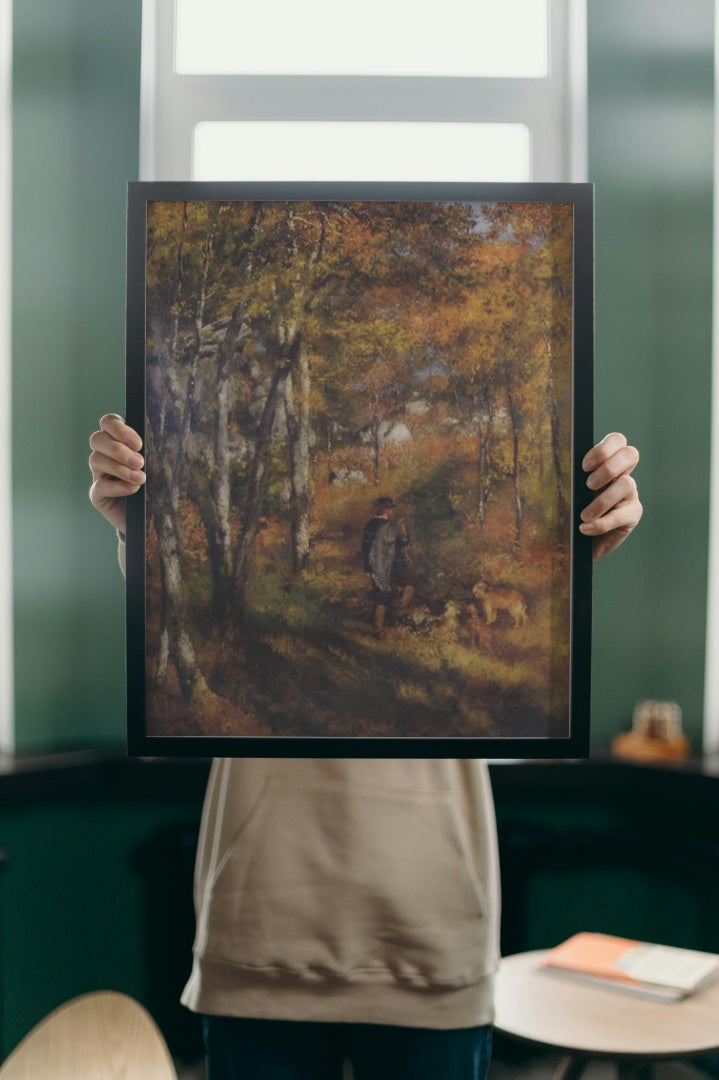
[268, 322]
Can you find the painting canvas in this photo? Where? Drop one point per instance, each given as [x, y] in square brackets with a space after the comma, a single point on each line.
[362, 409]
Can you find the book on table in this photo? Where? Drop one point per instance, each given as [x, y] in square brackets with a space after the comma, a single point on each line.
[661, 972]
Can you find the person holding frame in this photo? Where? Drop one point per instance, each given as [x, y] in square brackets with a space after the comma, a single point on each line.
[349, 909]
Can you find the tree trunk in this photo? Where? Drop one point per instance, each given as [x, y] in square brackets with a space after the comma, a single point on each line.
[556, 442]
[376, 449]
[516, 417]
[297, 413]
[187, 402]
[176, 643]
[485, 441]
[232, 640]
[180, 644]
[256, 487]
[218, 553]
[214, 500]
[163, 651]
[175, 309]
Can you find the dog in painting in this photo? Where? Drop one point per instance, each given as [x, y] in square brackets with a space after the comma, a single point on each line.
[496, 598]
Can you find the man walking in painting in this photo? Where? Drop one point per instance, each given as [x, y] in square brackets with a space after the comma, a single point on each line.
[386, 559]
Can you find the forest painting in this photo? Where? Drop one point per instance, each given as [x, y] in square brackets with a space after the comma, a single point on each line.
[358, 431]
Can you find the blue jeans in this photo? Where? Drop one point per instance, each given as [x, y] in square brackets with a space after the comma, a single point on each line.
[239, 1049]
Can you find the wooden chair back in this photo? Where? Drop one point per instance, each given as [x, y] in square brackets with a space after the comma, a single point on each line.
[99, 1036]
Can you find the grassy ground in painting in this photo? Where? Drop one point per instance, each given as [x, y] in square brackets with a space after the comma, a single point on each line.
[312, 665]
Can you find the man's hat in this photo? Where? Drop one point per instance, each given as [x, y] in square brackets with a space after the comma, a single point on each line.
[385, 503]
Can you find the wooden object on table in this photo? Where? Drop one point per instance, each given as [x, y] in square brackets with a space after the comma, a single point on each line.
[99, 1036]
[586, 1022]
[656, 734]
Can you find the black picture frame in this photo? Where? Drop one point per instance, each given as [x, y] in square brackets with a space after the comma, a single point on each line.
[407, 246]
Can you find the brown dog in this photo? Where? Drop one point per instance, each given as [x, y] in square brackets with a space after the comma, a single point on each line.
[495, 599]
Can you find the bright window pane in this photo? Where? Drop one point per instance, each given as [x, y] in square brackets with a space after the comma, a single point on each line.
[290, 150]
[497, 38]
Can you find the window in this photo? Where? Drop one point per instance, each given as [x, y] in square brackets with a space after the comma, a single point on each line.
[300, 150]
[403, 38]
[469, 90]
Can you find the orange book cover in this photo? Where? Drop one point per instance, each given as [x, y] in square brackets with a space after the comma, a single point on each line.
[593, 954]
[661, 971]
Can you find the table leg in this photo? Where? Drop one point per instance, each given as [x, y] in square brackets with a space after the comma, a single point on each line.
[635, 1070]
[570, 1067]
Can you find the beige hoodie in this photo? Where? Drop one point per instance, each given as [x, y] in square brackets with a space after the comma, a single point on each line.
[353, 890]
[347, 890]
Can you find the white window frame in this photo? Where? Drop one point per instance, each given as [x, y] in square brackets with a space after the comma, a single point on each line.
[7, 704]
[710, 727]
[553, 108]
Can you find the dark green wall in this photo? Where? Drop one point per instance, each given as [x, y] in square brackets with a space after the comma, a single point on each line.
[78, 899]
[75, 146]
[76, 89]
[650, 156]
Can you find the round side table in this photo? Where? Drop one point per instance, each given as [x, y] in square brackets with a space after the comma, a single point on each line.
[586, 1022]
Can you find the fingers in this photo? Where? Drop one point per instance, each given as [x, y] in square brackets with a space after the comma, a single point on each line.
[115, 451]
[106, 490]
[117, 429]
[622, 492]
[117, 467]
[108, 496]
[616, 509]
[603, 449]
[625, 514]
[602, 545]
[609, 459]
[611, 526]
[112, 459]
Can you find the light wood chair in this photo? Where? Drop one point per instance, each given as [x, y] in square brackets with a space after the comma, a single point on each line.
[99, 1036]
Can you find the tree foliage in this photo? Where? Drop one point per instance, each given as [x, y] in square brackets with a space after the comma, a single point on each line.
[425, 345]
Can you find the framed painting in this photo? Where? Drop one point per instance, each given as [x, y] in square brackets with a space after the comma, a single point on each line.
[364, 408]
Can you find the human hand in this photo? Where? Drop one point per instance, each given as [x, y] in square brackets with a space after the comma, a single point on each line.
[616, 510]
[116, 467]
